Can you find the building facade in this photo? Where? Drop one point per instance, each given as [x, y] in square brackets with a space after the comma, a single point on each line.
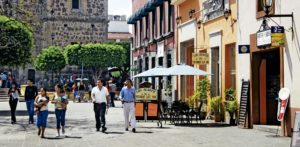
[153, 38]
[207, 28]
[118, 29]
[273, 66]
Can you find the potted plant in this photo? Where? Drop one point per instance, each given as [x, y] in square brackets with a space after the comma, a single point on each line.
[231, 107]
[216, 106]
[203, 87]
[231, 104]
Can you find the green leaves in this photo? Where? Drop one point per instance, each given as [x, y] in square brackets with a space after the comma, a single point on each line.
[95, 55]
[50, 59]
[16, 42]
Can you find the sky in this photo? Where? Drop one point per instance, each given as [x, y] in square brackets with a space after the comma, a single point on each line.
[119, 7]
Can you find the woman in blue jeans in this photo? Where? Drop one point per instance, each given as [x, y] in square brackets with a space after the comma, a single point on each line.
[60, 101]
[41, 105]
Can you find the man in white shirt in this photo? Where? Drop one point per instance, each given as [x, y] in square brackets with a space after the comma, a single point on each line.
[100, 97]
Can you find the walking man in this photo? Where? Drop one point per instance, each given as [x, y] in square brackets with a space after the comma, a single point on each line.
[128, 100]
[31, 93]
[100, 97]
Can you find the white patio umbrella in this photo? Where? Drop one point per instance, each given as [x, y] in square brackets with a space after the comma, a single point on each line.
[154, 72]
[184, 70]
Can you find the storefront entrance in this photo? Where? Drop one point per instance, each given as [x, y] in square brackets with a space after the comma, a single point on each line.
[265, 86]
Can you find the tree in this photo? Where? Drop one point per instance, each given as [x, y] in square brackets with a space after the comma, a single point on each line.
[50, 59]
[96, 57]
[16, 42]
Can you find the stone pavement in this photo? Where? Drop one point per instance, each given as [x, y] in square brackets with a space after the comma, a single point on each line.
[80, 128]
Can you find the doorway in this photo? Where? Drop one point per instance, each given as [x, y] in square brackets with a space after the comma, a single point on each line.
[215, 70]
[266, 88]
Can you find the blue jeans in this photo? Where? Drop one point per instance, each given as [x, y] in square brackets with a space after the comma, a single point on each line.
[42, 119]
[60, 118]
[30, 110]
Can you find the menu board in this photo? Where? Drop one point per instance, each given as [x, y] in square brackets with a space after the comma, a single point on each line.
[152, 110]
[146, 94]
[139, 109]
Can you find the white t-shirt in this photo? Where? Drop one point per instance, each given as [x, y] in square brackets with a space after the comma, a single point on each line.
[100, 94]
[43, 99]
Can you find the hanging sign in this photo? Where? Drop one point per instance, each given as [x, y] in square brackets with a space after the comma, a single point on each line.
[244, 49]
[283, 100]
[264, 38]
[200, 58]
[277, 36]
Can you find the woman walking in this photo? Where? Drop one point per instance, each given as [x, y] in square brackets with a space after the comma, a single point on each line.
[75, 91]
[61, 103]
[41, 104]
[81, 91]
[13, 94]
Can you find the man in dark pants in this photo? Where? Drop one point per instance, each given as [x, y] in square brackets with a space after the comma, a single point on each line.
[100, 97]
[30, 94]
[112, 93]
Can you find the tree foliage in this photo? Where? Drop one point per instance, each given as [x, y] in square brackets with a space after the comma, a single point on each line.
[16, 42]
[97, 57]
[50, 59]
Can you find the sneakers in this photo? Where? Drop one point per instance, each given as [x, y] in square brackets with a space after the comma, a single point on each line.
[104, 129]
[126, 129]
[97, 129]
[57, 135]
[133, 130]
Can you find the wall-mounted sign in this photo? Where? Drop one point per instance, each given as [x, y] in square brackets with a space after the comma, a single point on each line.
[200, 58]
[277, 36]
[244, 49]
[146, 94]
[264, 38]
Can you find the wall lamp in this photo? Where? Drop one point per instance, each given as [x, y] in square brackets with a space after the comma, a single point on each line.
[199, 22]
[191, 13]
[178, 19]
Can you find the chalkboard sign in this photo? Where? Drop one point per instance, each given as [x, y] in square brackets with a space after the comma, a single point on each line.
[296, 131]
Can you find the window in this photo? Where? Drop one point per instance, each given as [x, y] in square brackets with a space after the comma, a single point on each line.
[171, 17]
[141, 32]
[147, 27]
[154, 24]
[135, 35]
[75, 4]
[161, 9]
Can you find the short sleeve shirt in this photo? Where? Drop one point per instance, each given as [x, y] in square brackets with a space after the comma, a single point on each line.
[100, 94]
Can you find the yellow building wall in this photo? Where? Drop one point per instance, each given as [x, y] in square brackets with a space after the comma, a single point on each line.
[228, 36]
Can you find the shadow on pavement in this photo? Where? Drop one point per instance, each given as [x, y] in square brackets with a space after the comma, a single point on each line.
[18, 113]
[146, 132]
[113, 132]
[76, 137]
[155, 127]
[54, 138]
[204, 125]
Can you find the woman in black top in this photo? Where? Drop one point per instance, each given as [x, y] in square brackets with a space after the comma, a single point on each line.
[81, 91]
[13, 94]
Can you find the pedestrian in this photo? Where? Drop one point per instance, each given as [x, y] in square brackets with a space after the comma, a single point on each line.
[41, 103]
[13, 94]
[128, 99]
[81, 91]
[100, 98]
[30, 94]
[75, 91]
[4, 79]
[112, 93]
[90, 86]
[61, 102]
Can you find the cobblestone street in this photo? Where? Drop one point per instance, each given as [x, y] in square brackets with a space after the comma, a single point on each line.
[81, 132]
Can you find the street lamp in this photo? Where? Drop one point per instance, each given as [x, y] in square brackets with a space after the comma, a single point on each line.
[227, 12]
[52, 37]
[199, 22]
[267, 5]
